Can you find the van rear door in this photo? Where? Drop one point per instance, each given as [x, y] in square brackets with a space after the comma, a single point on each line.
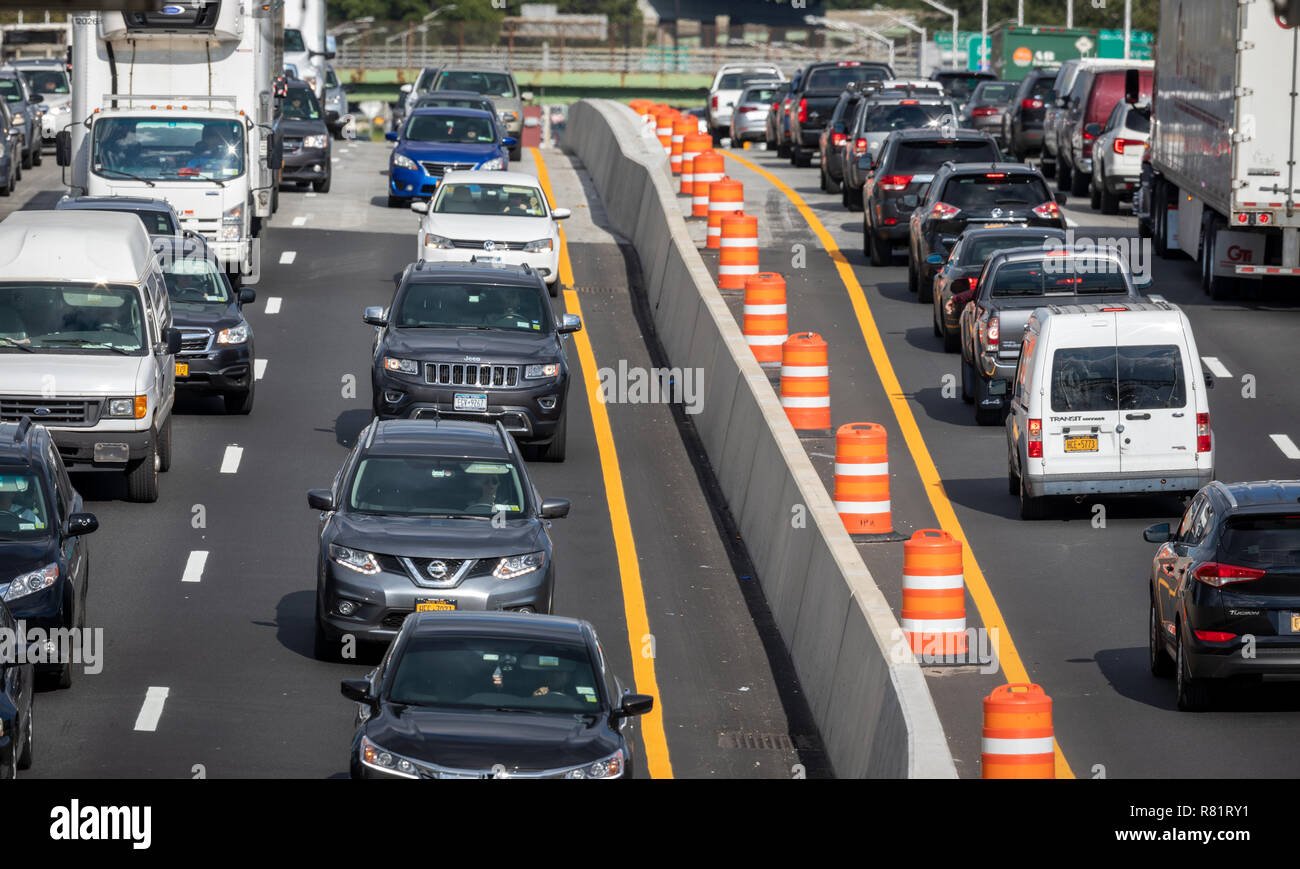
[1080, 431]
[1157, 403]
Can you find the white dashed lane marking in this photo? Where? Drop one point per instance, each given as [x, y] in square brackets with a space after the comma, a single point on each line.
[287, 258]
[230, 461]
[273, 304]
[1216, 367]
[299, 221]
[194, 566]
[152, 709]
[259, 368]
[1286, 445]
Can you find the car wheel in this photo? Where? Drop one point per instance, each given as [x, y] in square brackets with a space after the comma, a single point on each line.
[323, 648]
[783, 151]
[553, 288]
[25, 755]
[934, 321]
[1031, 509]
[1047, 166]
[1078, 183]
[967, 375]
[880, 252]
[554, 451]
[1161, 664]
[832, 186]
[794, 155]
[165, 445]
[27, 160]
[951, 340]
[1193, 694]
[36, 155]
[822, 181]
[240, 403]
[1094, 194]
[924, 288]
[396, 201]
[844, 196]
[323, 186]
[1013, 481]
[911, 275]
[1062, 177]
[142, 476]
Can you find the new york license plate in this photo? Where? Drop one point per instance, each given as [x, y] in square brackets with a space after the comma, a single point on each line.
[1081, 444]
[182, 369]
[434, 606]
[470, 401]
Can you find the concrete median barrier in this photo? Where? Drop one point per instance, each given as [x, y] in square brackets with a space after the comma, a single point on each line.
[875, 713]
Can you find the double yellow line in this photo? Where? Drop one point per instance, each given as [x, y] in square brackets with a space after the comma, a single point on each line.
[629, 568]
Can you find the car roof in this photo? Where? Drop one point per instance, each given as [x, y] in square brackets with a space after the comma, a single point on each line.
[985, 168]
[429, 272]
[113, 203]
[449, 437]
[454, 95]
[1259, 496]
[500, 624]
[87, 246]
[490, 176]
[456, 67]
[452, 111]
[20, 451]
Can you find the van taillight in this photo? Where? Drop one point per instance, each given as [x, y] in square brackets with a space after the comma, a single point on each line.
[1202, 432]
[984, 111]
[1217, 575]
[838, 138]
[1035, 439]
[895, 182]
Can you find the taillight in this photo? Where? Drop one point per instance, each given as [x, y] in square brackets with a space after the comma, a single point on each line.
[1202, 432]
[1217, 575]
[995, 330]
[983, 111]
[860, 146]
[1049, 210]
[943, 209]
[1120, 144]
[803, 110]
[1031, 104]
[839, 138]
[1035, 442]
[1214, 636]
[748, 109]
[775, 106]
[995, 175]
[895, 182]
[909, 102]
[715, 102]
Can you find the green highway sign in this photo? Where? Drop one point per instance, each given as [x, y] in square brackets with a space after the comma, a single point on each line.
[978, 53]
[943, 39]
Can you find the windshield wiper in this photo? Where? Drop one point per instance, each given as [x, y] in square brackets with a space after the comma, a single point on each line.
[81, 342]
[518, 709]
[129, 175]
[216, 181]
[9, 342]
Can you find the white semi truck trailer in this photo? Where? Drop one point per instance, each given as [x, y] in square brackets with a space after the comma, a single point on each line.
[306, 45]
[181, 104]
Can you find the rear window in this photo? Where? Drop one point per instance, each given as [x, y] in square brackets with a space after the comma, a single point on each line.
[976, 251]
[1052, 277]
[734, 81]
[997, 93]
[884, 118]
[1137, 122]
[980, 191]
[1042, 87]
[762, 95]
[1139, 377]
[838, 76]
[1108, 90]
[1271, 540]
[960, 88]
[929, 156]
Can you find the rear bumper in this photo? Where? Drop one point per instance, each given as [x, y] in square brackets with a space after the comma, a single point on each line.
[308, 164]
[1225, 660]
[1143, 482]
[220, 372]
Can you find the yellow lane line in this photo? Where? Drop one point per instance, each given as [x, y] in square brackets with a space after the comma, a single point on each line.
[634, 611]
[1012, 665]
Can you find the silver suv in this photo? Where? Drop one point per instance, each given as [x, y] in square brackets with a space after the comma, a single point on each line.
[728, 84]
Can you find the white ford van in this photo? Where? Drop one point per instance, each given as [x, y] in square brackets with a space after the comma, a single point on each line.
[1108, 399]
[86, 340]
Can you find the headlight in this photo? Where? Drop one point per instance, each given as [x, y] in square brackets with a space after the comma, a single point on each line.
[518, 565]
[606, 767]
[540, 245]
[354, 559]
[494, 163]
[232, 224]
[30, 583]
[507, 116]
[376, 757]
[402, 366]
[20, 118]
[62, 110]
[311, 80]
[401, 161]
[136, 407]
[313, 142]
[437, 241]
[233, 335]
[537, 372]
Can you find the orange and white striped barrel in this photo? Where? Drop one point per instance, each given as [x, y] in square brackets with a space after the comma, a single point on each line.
[934, 595]
[738, 258]
[806, 382]
[765, 321]
[708, 169]
[725, 196]
[688, 174]
[862, 478]
[664, 129]
[639, 106]
[695, 144]
[683, 126]
[1017, 735]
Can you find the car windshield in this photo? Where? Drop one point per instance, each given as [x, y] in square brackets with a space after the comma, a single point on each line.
[471, 306]
[195, 281]
[492, 84]
[1059, 276]
[976, 250]
[930, 155]
[22, 508]
[432, 100]
[993, 94]
[168, 149]
[496, 673]
[883, 117]
[828, 77]
[982, 192]
[46, 81]
[301, 105]
[11, 89]
[431, 486]
[1272, 540]
[734, 81]
[1138, 377]
[71, 318]
[451, 129]
[293, 40]
[511, 200]
[155, 222]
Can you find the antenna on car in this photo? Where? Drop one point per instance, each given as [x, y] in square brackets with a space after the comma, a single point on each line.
[24, 426]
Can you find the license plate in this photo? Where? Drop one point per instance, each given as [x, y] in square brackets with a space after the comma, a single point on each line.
[470, 401]
[182, 369]
[487, 259]
[1081, 444]
[434, 606]
[1295, 623]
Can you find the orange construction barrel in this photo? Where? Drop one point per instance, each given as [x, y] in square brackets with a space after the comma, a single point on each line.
[862, 478]
[1017, 736]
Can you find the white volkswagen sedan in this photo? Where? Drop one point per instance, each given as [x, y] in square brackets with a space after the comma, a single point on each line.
[498, 217]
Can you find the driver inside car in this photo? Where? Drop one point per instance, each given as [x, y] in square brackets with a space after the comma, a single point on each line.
[20, 504]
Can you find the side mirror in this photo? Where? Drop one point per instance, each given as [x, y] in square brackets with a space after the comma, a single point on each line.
[356, 689]
[247, 295]
[1061, 198]
[1093, 130]
[172, 338]
[374, 315]
[420, 206]
[63, 147]
[320, 499]
[935, 260]
[1209, 380]
[526, 96]
[1157, 533]
[555, 508]
[635, 704]
[561, 214]
[569, 323]
[391, 136]
[82, 523]
[1132, 86]
[406, 88]
[509, 141]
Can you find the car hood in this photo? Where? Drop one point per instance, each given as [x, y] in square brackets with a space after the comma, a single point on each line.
[92, 374]
[303, 128]
[185, 316]
[452, 345]
[439, 152]
[498, 227]
[421, 537]
[481, 740]
[19, 557]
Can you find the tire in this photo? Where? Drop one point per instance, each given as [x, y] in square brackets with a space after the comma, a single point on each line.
[1031, 509]
[803, 158]
[1013, 482]
[323, 186]
[924, 289]
[240, 403]
[1078, 183]
[783, 151]
[1162, 666]
[951, 340]
[322, 647]
[832, 186]
[27, 160]
[517, 152]
[823, 181]
[982, 416]
[967, 375]
[1094, 194]
[18, 171]
[142, 477]
[912, 282]
[1047, 166]
[25, 754]
[275, 198]
[554, 451]
[1193, 695]
[1063, 179]
[396, 201]
[879, 258]
[1109, 201]
[36, 155]
[553, 289]
[165, 446]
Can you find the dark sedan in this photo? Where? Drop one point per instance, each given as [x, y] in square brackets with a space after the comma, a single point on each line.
[493, 696]
[306, 140]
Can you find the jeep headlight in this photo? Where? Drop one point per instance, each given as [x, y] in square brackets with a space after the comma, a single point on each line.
[518, 565]
[30, 583]
[494, 163]
[313, 142]
[537, 372]
[437, 241]
[401, 366]
[401, 161]
[538, 246]
[233, 335]
[232, 224]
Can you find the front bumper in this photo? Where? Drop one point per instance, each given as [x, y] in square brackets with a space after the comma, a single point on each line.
[44, 610]
[80, 447]
[519, 410]
[1120, 483]
[546, 262]
[225, 369]
[307, 164]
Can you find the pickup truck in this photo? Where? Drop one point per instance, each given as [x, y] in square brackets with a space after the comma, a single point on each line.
[813, 100]
[1012, 285]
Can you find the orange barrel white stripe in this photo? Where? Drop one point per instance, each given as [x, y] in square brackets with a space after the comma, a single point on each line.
[708, 169]
[862, 479]
[738, 258]
[806, 382]
[1017, 736]
[934, 595]
[688, 174]
[664, 129]
[765, 322]
[725, 196]
[683, 126]
[695, 144]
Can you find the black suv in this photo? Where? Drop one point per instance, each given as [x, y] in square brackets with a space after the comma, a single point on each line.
[46, 563]
[1022, 125]
[306, 139]
[474, 341]
[876, 118]
[833, 136]
[965, 194]
[813, 100]
[1223, 588]
[903, 166]
[429, 516]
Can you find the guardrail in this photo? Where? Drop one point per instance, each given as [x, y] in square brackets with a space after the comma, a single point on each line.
[872, 705]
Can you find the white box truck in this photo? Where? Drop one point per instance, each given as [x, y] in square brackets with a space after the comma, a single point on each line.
[305, 44]
[1223, 181]
[181, 104]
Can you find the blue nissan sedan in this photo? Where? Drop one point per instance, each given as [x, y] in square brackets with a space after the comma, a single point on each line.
[435, 141]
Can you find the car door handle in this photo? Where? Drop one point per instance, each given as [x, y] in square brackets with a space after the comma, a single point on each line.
[1137, 416]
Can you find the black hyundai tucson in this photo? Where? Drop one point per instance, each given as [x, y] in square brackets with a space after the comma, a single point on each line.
[475, 341]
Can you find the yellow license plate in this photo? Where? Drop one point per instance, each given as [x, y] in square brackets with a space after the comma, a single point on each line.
[182, 369]
[1081, 444]
[434, 606]
[1295, 623]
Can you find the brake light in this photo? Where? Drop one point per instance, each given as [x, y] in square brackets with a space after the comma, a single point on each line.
[943, 209]
[992, 175]
[895, 182]
[849, 63]
[1120, 144]
[1048, 210]
[984, 111]
[909, 102]
[1202, 432]
[803, 110]
[839, 138]
[749, 108]
[1214, 636]
[775, 106]
[995, 330]
[1035, 442]
[1031, 104]
[715, 102]
[1217, 575]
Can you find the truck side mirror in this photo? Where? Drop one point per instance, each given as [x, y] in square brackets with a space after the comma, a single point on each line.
[63, 147]
[1132, 86]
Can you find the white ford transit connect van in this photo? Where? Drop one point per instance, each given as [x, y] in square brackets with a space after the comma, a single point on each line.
[1108, 399]
[86, 340]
